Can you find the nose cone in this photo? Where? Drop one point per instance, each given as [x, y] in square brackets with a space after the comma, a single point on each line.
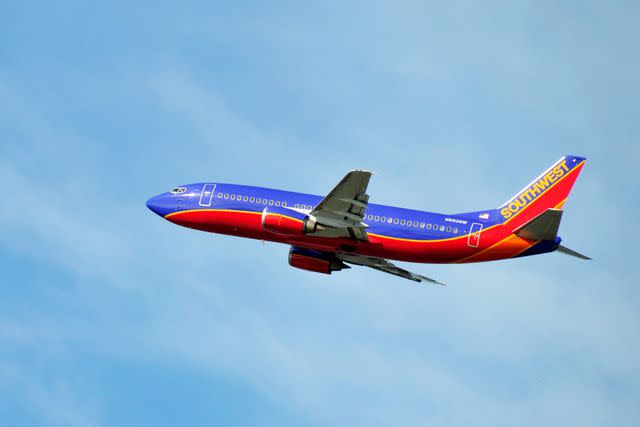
[162, 204]
[154, 204]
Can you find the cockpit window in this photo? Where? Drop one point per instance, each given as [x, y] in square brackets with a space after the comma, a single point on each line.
[179, 190]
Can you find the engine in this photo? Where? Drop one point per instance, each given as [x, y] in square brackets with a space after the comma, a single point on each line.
[286, 221]
[320, 262]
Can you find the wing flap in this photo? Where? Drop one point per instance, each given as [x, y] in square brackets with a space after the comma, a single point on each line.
[348, 215]
[384, 265]
[344, 207]
[355, 202]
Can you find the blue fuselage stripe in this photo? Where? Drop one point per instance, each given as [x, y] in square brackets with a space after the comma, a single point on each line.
[462, 222]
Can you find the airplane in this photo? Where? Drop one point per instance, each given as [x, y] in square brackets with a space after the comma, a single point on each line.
[330, 233]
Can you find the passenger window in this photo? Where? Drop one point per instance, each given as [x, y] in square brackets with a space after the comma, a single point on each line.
[455, 230]
[402, 222]
[245, 198]
[442, 228]
[252, 199]
[284, 204]
[270, 202]
[428, 226]
[415, 223]
[297, 205]
[449, 229]
[226, 195]
[219, 195]
[376, 218]
[396, 220]
[278, 203]
[422, 224]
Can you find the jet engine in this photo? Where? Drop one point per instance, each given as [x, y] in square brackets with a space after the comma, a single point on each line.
[311, 260]
[287, 221]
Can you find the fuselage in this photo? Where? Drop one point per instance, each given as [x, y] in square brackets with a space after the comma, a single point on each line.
[393, 232]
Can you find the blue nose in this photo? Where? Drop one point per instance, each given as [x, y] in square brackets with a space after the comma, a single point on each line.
[162, 204]
[153, 204]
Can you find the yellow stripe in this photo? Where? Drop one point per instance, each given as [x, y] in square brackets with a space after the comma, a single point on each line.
[416, 240]
[464, 236]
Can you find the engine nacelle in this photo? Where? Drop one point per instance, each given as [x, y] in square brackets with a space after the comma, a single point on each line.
[288, 222]
[320, 262]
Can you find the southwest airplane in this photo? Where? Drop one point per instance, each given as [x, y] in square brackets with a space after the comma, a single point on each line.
[327, 233]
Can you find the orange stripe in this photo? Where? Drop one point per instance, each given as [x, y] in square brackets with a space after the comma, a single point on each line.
[484, 250]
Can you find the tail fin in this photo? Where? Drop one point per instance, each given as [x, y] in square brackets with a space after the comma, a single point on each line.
[548, 191]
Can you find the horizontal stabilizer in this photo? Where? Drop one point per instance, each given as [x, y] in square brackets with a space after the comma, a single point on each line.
[568, 251]
[543, 227]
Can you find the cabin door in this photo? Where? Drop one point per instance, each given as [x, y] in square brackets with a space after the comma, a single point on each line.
[207, 194]
[474, 235]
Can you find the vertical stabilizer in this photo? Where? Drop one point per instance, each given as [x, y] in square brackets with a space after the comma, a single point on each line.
[548, 191]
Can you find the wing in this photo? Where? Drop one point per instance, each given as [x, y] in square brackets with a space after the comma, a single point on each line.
[382, 264]
[342, 210]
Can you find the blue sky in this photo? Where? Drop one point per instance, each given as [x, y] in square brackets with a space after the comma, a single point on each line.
[111, 316]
